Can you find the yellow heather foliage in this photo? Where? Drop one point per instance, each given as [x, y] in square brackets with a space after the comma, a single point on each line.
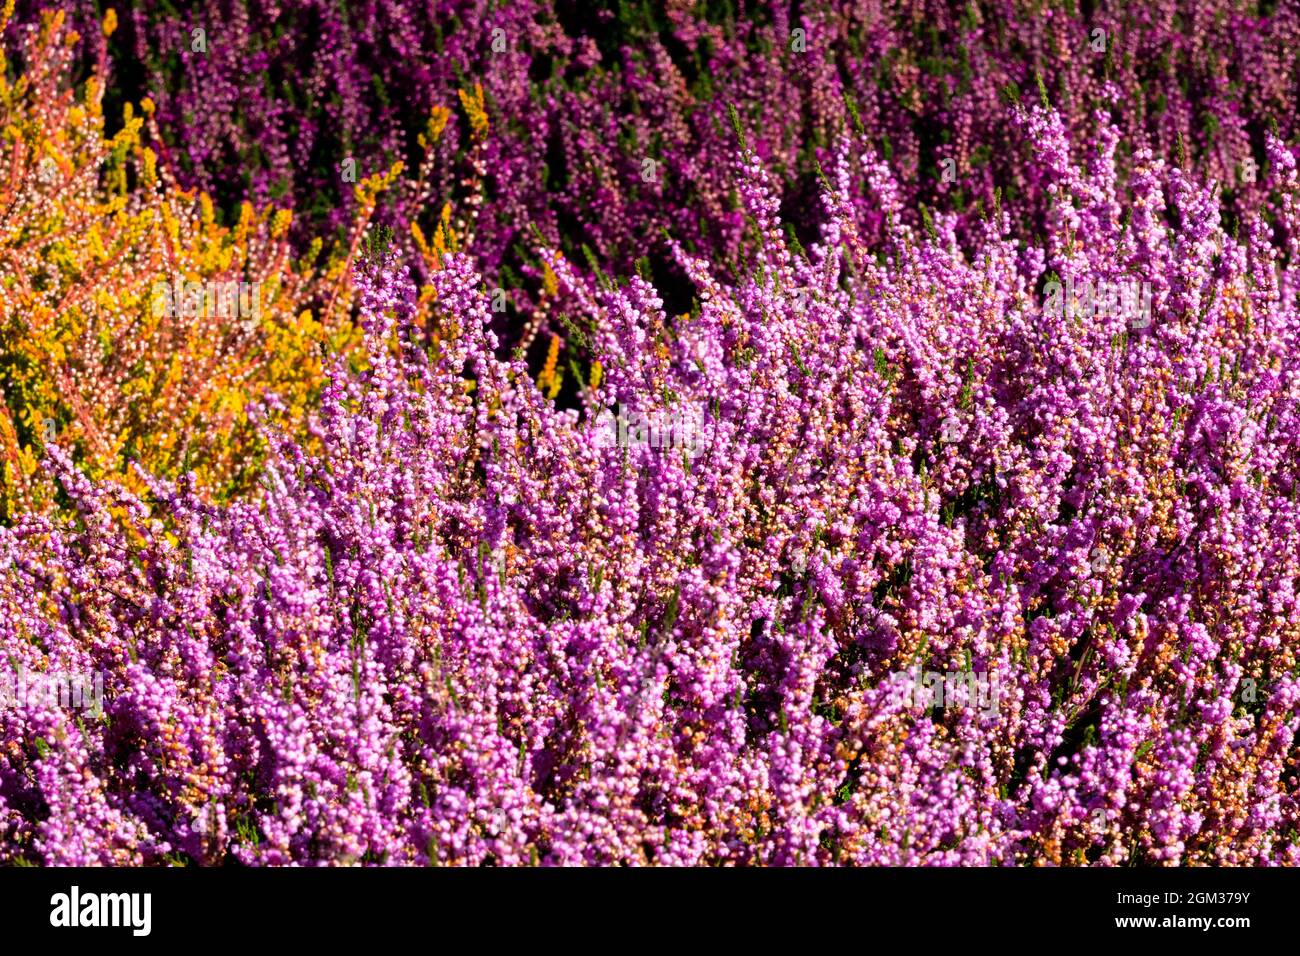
[438, 117]
[473, 103]
[103, 349]
[551, 378]
[445, 240]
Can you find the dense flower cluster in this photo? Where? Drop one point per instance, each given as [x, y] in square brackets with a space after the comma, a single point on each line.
[695, 616]
[621, 107]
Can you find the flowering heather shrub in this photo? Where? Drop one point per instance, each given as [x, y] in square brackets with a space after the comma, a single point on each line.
[92, 354]
[269, 101]
[474, 627]
[608, 121]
